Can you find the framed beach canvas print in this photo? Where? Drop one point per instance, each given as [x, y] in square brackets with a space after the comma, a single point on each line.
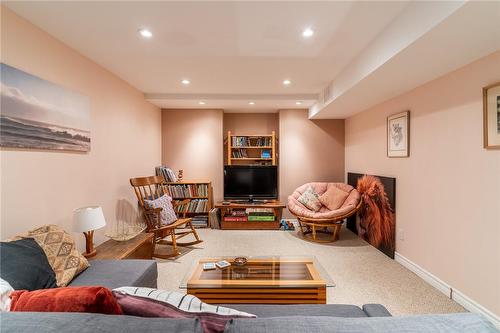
[38, 114]
[398, 135]
[491, 111]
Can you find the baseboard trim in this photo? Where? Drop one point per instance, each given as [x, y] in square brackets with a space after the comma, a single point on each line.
[448, 290]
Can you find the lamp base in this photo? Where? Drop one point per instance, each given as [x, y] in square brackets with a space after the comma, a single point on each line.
[89, 255]
[89, 244]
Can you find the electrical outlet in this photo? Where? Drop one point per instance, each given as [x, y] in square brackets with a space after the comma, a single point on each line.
[401, 234]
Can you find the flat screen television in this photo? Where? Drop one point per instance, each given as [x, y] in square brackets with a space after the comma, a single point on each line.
[248, 182]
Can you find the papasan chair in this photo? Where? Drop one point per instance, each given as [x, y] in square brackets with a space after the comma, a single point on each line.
[321, 208]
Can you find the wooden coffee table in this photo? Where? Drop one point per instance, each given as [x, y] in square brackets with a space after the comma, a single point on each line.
[272, 280]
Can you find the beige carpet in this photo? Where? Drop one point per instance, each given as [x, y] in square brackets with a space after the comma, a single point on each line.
[361, 273]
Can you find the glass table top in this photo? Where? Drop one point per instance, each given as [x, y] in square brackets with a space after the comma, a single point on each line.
[262, 272]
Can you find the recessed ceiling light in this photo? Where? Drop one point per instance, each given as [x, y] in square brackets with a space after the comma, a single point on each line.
[251, 103]
[286, 82]
[185, 82]
[298, 103]
[201, 103]
[308, 32]
[145, 33]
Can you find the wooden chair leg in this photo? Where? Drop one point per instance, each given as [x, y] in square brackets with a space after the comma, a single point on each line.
[314, 231]
[174, 243]
[194, 231]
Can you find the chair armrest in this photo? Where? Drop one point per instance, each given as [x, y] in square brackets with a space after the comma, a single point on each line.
[180, 202]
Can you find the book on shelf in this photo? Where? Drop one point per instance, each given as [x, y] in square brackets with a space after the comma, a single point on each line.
[235, 218]
[214, 218]
[187, 190]
[259, 210]
[200, 221]
[261, 218]
[167, 173]
[193, 206]
[245, 141]
[240, 153]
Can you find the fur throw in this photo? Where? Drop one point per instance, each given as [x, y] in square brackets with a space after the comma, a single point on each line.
[376, 218]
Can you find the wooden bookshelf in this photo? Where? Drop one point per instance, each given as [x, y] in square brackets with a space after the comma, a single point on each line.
[247, 148]
[181, 191]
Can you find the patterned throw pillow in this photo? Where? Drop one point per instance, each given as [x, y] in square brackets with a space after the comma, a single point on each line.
[147, 302]
[61, 252]
[167, 214]
[310, 199]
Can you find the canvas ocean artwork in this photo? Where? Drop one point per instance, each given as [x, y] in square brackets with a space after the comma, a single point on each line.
[38, 114]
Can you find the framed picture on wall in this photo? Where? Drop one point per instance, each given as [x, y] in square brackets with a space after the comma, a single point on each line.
[398, 135]
[491, 116]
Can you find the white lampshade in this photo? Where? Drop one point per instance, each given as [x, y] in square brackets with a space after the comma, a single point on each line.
[88, 218]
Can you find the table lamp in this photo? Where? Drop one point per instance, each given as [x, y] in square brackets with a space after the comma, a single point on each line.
[86, 220]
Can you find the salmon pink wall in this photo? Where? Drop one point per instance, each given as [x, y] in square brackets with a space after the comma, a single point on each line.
[192, 141]
[41, 187]
[310, 150]
[448, 190]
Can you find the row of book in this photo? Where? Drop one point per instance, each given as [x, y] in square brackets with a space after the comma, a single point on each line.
[245, 141]
[188, 191]
[251, 218]
[167, 173]
[200, 221]
[194, 206]
[239, 153]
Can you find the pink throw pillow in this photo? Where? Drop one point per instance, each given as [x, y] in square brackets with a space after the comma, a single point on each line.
[333, 198]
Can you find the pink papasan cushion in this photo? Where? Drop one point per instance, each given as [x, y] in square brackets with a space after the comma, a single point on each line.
[300, 210]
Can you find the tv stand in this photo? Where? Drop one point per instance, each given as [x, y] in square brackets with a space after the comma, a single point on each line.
[226, 210]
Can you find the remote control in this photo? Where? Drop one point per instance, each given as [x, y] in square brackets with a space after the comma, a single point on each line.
[222, 264]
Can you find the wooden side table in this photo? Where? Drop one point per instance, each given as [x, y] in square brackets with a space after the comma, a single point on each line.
[139, 247]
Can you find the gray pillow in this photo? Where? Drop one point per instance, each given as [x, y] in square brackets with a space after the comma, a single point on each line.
[167, 214]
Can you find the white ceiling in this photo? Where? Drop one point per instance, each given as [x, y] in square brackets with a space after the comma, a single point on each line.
[236, 52]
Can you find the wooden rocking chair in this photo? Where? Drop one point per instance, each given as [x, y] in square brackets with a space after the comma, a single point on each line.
[151, 188]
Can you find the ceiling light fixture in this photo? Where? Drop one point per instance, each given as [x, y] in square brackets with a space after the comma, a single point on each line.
[308, 32]
[185, 82]
[251, 103]
[287, 82]
[298, 103]
[201, 103]
[145, 33]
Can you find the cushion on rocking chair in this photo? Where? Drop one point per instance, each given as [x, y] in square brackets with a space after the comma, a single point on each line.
[167, 214]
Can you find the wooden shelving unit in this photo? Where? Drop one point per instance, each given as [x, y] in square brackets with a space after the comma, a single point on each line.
[191, 196]
[252, 149]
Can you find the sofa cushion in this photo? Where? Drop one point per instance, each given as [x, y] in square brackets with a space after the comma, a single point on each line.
[118, 273]
[61, 252]
[310, 199]
[271, 310]
[448, 323]
[148, 302]
[24, 265]
[43, 322]
[167, 214]
[66, 299]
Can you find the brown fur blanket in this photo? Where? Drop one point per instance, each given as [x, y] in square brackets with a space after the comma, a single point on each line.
[376, 218]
